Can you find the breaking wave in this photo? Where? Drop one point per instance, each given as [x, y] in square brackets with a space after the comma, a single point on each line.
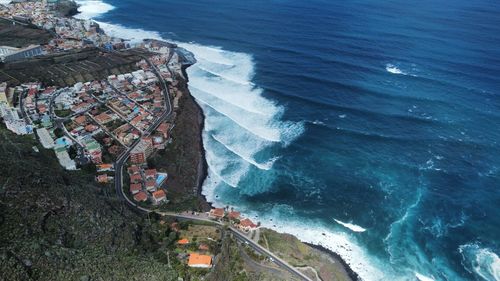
[481, 261]
[391, 68]
[422, 277]
[92, 9]
[353, 227]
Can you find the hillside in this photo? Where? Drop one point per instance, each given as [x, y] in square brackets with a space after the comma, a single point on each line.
[56, 225]
[21, 35]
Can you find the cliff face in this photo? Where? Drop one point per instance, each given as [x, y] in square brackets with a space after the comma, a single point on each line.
[67, 8]
[56, 225]
[184, 157]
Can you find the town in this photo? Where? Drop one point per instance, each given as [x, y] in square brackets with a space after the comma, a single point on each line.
[110, 124]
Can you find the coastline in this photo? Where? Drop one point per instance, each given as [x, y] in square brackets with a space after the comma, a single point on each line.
[351, 273]
[203, 172]
[202, 166]
[202, 169]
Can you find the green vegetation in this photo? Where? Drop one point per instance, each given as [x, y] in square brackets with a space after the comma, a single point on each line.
[59, 225]
[182, 158]
[21, 36]
[63, 112]
[58, 132]
[54, 70]
[299, 254]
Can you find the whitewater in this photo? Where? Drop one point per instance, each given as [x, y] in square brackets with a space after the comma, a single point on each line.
[221, 84]
[241, 128]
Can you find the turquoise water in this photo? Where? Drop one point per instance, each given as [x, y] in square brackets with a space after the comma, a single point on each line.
[160, 179]
[369, 127]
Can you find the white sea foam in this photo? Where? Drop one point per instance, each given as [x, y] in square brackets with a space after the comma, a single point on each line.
[92, 9]
[280, 218]
[481, 261]
[133, 35]
[391, 68]
[318, 122]
[225, 92]
[4, 2]
[422, 277]
[243, 154]
[225, 76]
[353, 227]
[228, 170]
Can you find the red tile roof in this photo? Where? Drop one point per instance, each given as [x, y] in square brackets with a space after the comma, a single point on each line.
[150, 172]
[80, 119]
[183, 241]
[150, 183]
[133, 170]
[247, 223]
[135, 178]
[217, 212]
[135, 187]
[159, 194]
[199, 260]
[141, 196]
[234, 215]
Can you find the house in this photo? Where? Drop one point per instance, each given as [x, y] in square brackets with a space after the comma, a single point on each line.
[164, 128]
[103, 118]
[104, 167]
[80, 120]
[150, 173]
[217, 213]
[135, 188]
[135, 178]
[150, 185]
[201, 261]
[133, 170]
[96, 156]
[90, 128]
[102, 178]
[246, 225]
[233, 215]
[159, 196]
[141, 196]
[183, 241]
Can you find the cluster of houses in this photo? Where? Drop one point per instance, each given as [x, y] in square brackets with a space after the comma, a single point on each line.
[103, 118]
[71, 33]
[244, 224]
[146, 184]
[94, 122]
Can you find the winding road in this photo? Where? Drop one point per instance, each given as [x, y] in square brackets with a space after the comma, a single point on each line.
[121, 193]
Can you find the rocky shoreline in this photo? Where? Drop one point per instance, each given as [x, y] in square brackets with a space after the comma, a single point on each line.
[203, 172]
[202, 164]
[353, 275]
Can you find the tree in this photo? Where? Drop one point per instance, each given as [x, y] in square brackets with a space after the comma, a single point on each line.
[58, 132]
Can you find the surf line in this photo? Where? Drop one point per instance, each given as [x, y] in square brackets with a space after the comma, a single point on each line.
[353, 227]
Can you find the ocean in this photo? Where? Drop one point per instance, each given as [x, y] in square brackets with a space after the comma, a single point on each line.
[368, 127]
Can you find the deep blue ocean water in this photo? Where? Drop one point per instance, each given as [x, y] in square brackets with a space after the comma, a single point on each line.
[369, 127]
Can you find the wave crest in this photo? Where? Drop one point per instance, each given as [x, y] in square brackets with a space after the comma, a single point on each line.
[481, 261]
[92, 9]
[353, 227]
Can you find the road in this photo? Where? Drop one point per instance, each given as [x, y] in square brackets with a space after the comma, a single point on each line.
[121, 193]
